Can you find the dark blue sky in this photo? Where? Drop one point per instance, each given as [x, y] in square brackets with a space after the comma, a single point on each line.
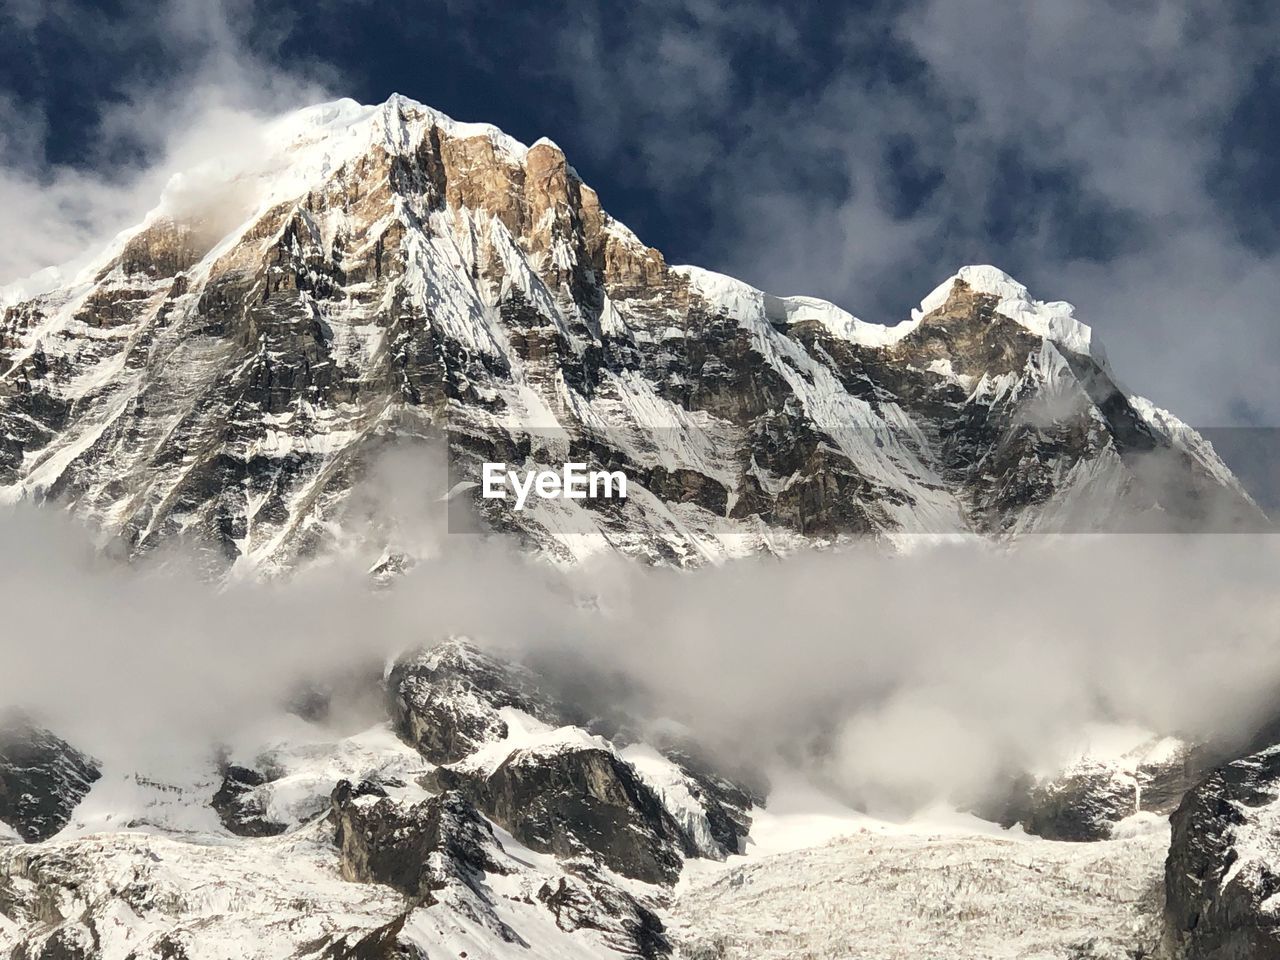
[503, 63]
[1118, 155]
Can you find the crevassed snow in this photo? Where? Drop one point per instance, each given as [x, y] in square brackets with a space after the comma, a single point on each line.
[255, 899]
[1054, 321]
[903, 896]
[800, 815]
[823, 881]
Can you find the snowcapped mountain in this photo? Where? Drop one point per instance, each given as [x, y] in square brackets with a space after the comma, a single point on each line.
[230, 375]
[226, 372]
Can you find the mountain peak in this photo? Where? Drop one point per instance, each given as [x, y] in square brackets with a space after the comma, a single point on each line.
[396, 124]
[1054, 321]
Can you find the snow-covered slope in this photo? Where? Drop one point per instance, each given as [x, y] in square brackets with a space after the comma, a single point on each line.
[369, 276]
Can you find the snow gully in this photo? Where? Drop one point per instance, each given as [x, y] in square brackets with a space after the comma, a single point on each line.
[572, 482]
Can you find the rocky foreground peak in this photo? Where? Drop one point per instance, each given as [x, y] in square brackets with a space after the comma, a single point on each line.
[492, 826]
[228, 372]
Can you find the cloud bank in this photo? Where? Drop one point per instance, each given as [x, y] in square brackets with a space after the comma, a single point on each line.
[903, 680]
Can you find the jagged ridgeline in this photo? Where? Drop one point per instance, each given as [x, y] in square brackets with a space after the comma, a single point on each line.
[226, 373]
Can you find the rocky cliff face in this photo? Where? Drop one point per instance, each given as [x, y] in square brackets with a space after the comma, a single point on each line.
[528, 762]
[1223, 869]
[416, 850]
[400, 276]
[447, 701]
[42, 778]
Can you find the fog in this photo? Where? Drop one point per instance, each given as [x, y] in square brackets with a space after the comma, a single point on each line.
[902, 679]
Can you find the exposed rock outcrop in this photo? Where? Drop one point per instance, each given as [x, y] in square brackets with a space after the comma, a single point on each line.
[1083, 804]
[1223, 870]
[583, 901]
[42, 778]
[240, 806]
[417, 849]
[440, 852]
[570, 793]
[1087, 800]
[445, 700]
[387, 942]
[579, 801]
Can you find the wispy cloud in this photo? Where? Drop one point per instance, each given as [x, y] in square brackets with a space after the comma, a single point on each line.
[1071, 144]
[202, 87]
[906, 680]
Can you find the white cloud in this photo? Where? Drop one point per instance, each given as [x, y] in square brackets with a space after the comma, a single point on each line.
[212, 94]
[906, 680]
[1125, 101]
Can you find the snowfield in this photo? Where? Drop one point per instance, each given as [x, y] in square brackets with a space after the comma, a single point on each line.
[218, 897]
[883, 895]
